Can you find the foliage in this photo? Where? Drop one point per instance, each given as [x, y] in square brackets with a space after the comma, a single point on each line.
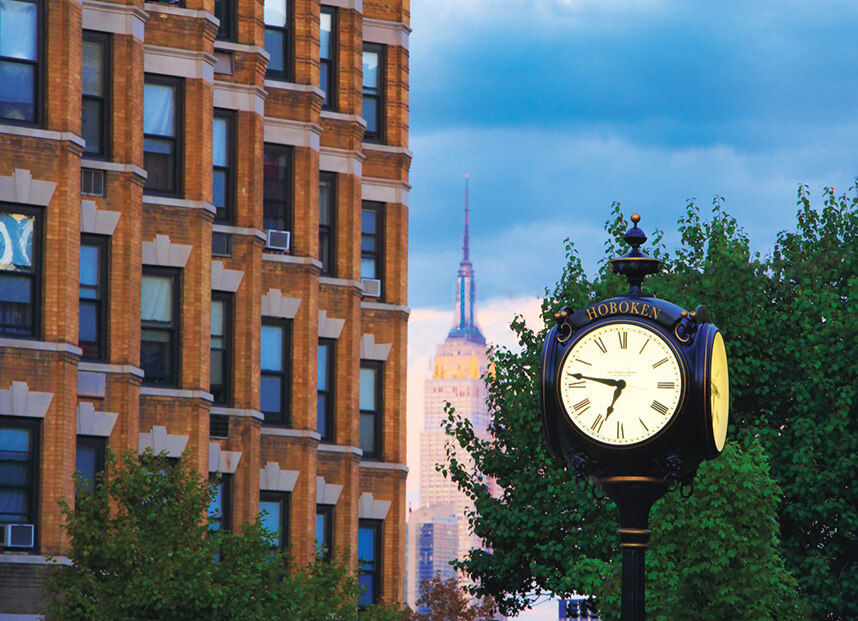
[715, 552]
[446, 601]
[141, 549]
[789, 332]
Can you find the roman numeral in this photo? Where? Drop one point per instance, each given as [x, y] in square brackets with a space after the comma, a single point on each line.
[583, 362]
[624, 339]
[643, 424]
[658, 407]
[582, 406]
[620, 435]
[667, 385]
[597, 424]
[601, 345]
[659, 363]
[575, 384]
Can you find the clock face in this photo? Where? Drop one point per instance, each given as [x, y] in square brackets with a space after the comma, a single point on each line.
[621, 384]
[719, 392]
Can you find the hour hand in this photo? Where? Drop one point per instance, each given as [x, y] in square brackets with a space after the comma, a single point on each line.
[601, 380]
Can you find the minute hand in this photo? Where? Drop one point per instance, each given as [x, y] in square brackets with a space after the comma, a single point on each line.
[601, 380]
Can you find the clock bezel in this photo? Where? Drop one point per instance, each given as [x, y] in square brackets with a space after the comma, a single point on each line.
[703, 376]
[683, 372]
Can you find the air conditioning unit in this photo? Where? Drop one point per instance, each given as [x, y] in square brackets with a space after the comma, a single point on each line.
[371, 287]
[277, 240]
[18, 535]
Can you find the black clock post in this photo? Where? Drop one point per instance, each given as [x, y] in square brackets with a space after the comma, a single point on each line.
[634, 398]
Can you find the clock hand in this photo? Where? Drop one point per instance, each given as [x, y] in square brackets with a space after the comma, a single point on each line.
[609, 382]
[617, 392]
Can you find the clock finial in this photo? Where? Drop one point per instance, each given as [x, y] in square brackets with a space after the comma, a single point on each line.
[635, 265]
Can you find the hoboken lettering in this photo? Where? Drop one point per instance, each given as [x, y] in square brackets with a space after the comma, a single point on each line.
[622, 308]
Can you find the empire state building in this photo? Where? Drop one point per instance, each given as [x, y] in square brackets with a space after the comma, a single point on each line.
[438, 530]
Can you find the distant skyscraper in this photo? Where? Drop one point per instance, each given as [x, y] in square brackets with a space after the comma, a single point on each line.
[460, 366]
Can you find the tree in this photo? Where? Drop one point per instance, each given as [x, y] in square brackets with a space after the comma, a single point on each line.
[794, 390]
[141, 548]
[446, 601]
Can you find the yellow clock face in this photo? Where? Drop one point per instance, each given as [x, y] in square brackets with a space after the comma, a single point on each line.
[719, 392]
[621, 384]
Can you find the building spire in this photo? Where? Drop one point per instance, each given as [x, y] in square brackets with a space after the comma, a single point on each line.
[466, 241]
[464, 325]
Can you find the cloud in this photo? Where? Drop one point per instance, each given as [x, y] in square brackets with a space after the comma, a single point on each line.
[532, 188]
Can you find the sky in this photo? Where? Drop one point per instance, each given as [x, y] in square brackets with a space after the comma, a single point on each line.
[557, 108]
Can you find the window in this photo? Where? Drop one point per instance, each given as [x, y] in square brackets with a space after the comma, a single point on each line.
[18, 470]
[325, 387]
[20, 270]
[370, 408]
[221, 245]
[220, 506]
[89, 460]
[224, 10]
[278, 43]
[274, 510]
[369, 561]
[373, 91]
[371, 223]
[327, 222]
[95, 76]
[162, 134]
[277, 187]
[222, 165]
[328, 56]
[324, 531]
[274, 389]
[20, 46]
[92, 304]
[159, 333]
[220, 365]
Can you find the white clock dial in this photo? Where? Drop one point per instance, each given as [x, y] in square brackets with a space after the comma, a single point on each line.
[621, 383]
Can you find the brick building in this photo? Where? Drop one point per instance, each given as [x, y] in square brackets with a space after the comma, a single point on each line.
[203, 238]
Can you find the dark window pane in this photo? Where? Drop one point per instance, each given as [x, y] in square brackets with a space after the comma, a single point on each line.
[92, 68]
[223, 11]
[219, 188]
[367, 433]
[15, 289]
[321, 415]
[18, 95]
[16, 307]
[88, 322]
[87, 463]
[367, 221]
[271, 391]
[155, 356]
[370, 113]
[159, 162]
[274, 45]
[18, 29]
[91, 124]
[324, 81]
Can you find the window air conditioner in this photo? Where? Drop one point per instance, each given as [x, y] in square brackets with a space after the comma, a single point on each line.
[277, 240]
[18, 536]
[371, 287]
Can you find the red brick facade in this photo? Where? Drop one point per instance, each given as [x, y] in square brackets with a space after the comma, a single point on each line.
[47, 385]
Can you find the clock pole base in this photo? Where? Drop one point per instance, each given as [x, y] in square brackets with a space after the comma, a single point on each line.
[634, 497]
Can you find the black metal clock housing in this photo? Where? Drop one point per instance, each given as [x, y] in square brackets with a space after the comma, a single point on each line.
[635, 385]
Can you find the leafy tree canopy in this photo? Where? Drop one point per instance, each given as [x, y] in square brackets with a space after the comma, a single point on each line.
[789, 331]
[141, 548]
